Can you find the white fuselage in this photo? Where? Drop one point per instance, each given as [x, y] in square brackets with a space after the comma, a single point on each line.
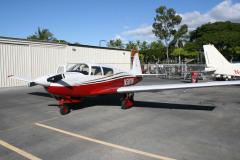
[216, 62]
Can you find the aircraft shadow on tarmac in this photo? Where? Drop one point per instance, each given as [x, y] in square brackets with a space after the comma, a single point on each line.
[144, 104]
[42, 94]
[113, 100]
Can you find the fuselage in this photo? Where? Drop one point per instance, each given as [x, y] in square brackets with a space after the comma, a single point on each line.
[229, 69]
[91, 80]
[216, 62]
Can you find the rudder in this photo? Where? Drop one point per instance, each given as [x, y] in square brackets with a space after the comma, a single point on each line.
[213, 57]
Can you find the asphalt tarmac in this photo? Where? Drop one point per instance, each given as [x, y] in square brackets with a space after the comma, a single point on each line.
[193, 124]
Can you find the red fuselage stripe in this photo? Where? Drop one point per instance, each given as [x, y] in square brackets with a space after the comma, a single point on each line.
[106, 87]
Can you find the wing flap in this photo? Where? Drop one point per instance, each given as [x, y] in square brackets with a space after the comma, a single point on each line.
[174, 86]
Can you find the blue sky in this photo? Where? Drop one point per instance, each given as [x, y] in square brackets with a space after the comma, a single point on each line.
[88, 21]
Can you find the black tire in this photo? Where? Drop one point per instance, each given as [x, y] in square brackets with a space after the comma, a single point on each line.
[64, 110]
[123, 106]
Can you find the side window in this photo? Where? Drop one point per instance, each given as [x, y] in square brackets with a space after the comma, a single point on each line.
[84, 69]
[96, 70]
[107, 71]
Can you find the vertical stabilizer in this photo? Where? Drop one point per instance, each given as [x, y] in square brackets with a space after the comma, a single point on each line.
[136, 66]
[214, 59]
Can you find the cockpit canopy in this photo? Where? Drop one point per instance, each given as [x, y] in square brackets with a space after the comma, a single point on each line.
[89, 70]
[80, 67]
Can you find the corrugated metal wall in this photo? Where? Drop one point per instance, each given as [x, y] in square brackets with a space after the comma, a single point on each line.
[46, 58]
[34, 59]
[115, 58]
[14, 59]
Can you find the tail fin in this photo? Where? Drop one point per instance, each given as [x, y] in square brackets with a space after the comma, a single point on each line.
[214, 59]
[136, 66]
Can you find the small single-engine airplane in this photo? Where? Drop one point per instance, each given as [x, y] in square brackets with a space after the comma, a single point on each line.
[217, 63]
[84, 79]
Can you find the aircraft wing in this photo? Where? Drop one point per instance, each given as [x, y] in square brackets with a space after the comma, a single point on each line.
[150, 88]
[20, 78]
[150, 75]
[30, 82]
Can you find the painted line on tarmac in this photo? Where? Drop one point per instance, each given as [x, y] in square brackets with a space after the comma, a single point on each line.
[18, 150]
[147, 154]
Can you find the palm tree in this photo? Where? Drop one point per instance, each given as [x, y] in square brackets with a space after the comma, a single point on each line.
[115, 43]
[180, 37]
[42, 34]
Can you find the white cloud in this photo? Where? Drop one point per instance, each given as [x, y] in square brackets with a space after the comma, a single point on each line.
[195, 19]
[224, 11]
[143, 33]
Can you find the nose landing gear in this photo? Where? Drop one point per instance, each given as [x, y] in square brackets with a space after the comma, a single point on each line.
[64, 109]
[66, 104]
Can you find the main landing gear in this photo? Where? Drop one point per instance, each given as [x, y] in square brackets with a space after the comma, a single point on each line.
[127, 100]
[65, 105]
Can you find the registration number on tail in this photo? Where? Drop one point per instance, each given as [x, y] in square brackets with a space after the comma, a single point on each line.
[128, 81]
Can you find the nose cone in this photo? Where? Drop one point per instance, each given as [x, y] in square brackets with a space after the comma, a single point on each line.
[42, 81]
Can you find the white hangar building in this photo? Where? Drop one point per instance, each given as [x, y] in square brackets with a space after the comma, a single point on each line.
[32, 59]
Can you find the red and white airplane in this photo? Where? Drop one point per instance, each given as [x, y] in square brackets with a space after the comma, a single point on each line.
[217, 63]
[84, 79]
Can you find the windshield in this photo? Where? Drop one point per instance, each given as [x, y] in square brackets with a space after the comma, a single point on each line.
[81, 68]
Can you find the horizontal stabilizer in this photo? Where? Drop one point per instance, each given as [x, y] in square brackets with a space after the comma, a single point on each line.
[148, 88]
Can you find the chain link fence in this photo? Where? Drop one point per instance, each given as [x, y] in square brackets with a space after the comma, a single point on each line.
[175, 71]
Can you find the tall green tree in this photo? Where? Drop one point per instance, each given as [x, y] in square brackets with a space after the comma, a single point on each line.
[181, 52]
[138, 45]
[42, 34]
[143, 46]
[224, 35]
[116, 44]
[180, 37]
[131, 45]
[164, 26]
[154, 52]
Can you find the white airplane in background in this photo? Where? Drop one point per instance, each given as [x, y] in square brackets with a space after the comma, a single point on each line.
[83, 80]
[217, 63]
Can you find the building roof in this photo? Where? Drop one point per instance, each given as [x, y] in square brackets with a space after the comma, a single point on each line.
[22, 40]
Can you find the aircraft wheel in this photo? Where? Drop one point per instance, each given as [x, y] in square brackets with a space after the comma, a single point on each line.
[127, 101]
[64, 110]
